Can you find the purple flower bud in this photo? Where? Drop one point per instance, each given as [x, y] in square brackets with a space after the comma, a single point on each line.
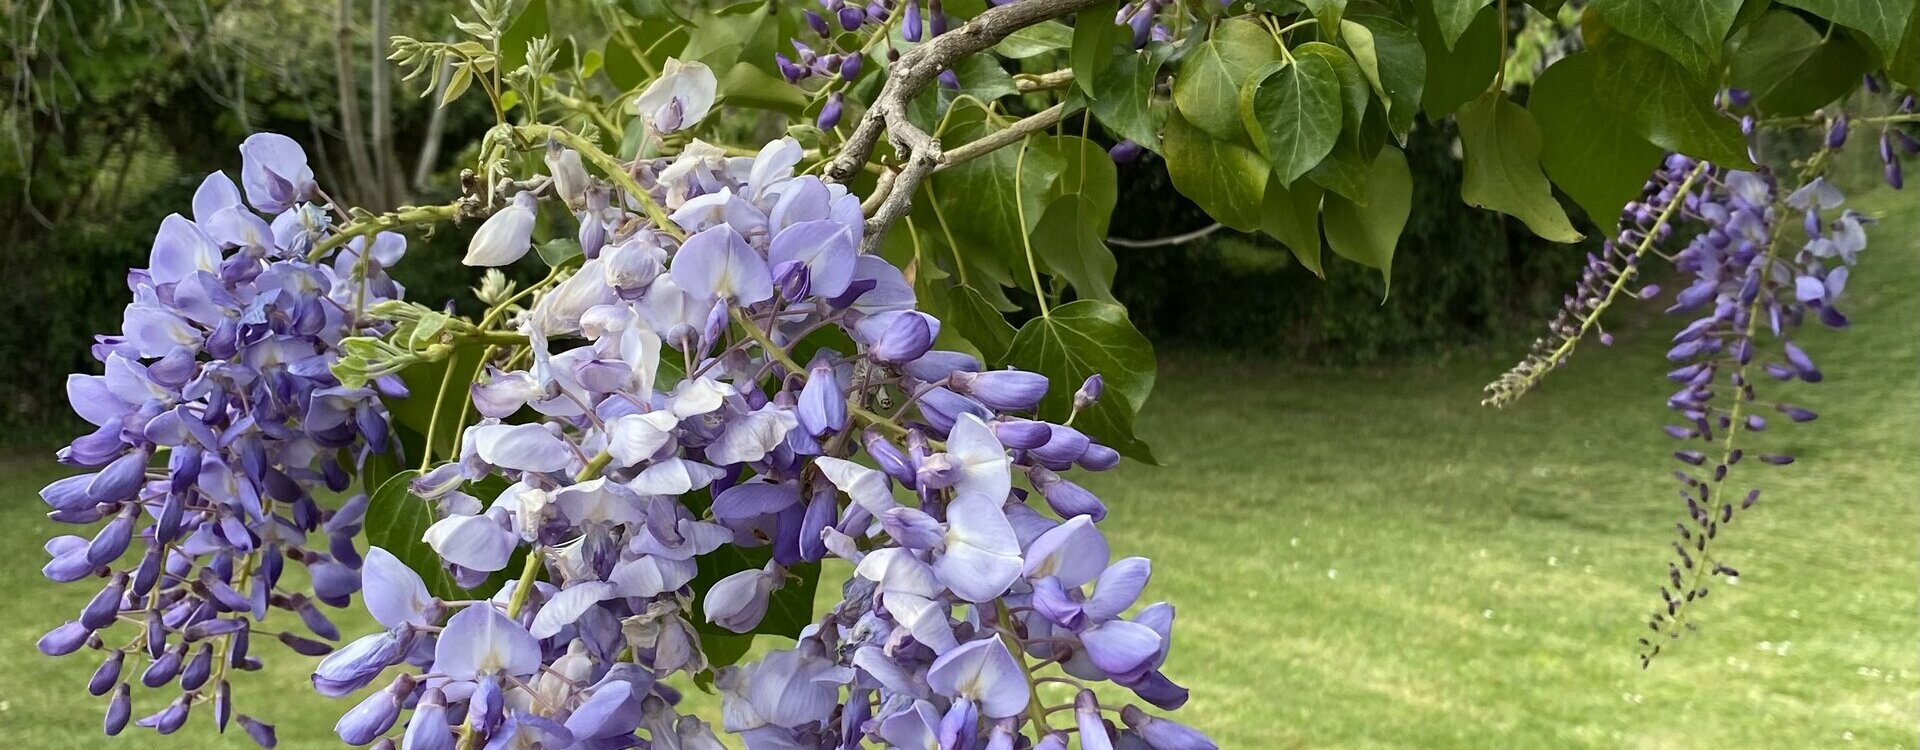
[165, 668]
[819, 24]
[1894, 179]
[198, 669]
[1099, 458]
[65, 639]
[850, 67]
[949, 80]
[852, 17]
[1021, 434]
[119, 480]
[904, 340]
[1066, 498]
[1065, 446]
[119, 709]
[910, 28]
[887, 456]
[260, 732]
[936, 18]
[372, 718]
[1001, 390]
[108, 673]
[105, 606]
[1739, 97]
[830, 112]
[1796, 413]
[1089, 393]
[1161, 734]
[1124, 152]
[306, 647]
[823, 406]
[1837, 133]
[112, 539]
[1776, 459]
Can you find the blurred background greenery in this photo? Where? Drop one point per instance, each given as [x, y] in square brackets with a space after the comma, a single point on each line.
[1362, 556]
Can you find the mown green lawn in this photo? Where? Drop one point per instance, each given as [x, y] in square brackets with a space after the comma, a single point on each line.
[1369, 559]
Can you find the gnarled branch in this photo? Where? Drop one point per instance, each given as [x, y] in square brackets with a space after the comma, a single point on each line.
[918, 151]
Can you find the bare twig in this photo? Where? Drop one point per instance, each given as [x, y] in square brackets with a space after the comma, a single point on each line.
[920, 153]
[1021, 128]
[1177, 239]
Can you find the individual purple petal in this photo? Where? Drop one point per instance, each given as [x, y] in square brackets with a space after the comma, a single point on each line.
[523, 447]
[274, 170]
[474, 542]
[567, 606]
[827, 249]
[719, 264]
[982, 556]
[823, 407]
[1074, 552]
[984, 672]
[479, 640]
[1162, 734]
[1119, 586]
[394, 593]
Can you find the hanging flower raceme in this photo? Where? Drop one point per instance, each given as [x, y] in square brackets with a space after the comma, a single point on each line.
[1761, 265]
[681, 406]
[217, 422]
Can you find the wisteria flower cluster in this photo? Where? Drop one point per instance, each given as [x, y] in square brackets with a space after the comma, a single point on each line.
[1761, 266]
[218, 420]
[1608, 276]
[624, 483]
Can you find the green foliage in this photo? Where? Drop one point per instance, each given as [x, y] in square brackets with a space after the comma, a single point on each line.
[1599, 168]
[1791, 69]
[1293, 111]
[1503, 166]
[1084, 338]
[1367, 234]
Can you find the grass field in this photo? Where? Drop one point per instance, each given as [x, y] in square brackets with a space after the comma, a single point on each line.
[1369, 559]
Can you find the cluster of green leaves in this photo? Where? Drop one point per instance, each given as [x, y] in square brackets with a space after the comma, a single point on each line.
[1285, 117]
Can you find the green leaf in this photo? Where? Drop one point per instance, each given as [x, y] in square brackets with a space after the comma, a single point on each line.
[1904, 68]
[980, 76]
[1366, 59]
[1454, 16]
[1455, 76]
[1367, 234]
[629, 67]
[1663, 103]
[558, 250]
[1327, 12]
[1123, 100]
[1600, 168]
[529, 23]
[415, 412]
[1293, 112]
[1353, 85]
[1083, 338]
[985, 200]
[1344, 171]
[1690, 32]
[1035, 40]
[1883, 21]
[974, 319]
[1791, 69]
[1225, 179]
[1065, 240]
[1088, 172]
[1502, 147]
[396, 521]
[1403, 69]
[1094, 36]
[746, 85]
[1292, 216]
[1207, 89]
